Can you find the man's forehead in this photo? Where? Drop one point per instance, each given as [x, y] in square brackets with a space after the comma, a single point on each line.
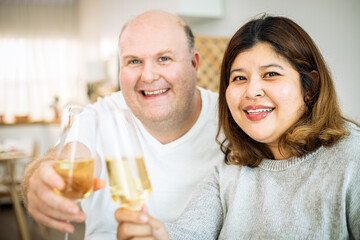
[157, 18]
[152, 42]
[152, 31]
[138, 53]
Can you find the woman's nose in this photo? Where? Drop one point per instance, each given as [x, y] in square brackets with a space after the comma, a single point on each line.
[254, 88]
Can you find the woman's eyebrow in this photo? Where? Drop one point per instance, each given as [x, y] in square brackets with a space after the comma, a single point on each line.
[272, 65]
[236, 70]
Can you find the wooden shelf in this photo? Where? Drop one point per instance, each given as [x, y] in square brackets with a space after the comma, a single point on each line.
[30, 123]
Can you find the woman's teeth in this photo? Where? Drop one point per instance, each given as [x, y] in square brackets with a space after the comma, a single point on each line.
[259, 111]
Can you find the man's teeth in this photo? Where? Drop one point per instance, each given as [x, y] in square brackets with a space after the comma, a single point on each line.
[259, 111]
[146, 93]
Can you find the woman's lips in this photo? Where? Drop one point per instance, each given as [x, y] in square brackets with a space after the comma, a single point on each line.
[257, 113]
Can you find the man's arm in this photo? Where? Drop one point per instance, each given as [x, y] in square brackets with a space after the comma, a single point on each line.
[42, 203]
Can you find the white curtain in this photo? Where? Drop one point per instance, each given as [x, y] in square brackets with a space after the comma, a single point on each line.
[40, 57]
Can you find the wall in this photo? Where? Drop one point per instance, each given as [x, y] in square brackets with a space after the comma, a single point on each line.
[333, 24]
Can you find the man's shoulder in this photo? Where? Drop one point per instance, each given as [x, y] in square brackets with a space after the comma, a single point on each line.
[114, 100]
[208, 92]
[208, 96]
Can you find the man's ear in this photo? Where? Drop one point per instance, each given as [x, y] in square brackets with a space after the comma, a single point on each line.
[195, 60]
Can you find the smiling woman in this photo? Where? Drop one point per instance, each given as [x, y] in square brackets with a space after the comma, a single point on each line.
[267, 90]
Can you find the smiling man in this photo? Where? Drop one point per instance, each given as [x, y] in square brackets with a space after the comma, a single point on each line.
[158, 73]
[177, 124]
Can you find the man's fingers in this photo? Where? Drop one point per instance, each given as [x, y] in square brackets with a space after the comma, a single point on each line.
[42, 200]
[55, 224]
[62, 215]
[49, 176]
[47, 216]
[42, 186]
[59, 203]
[125, 215]
[64, 212]
[99, 183]
[49, 197]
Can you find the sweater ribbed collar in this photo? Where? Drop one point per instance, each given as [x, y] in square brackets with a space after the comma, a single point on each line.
[281, 165]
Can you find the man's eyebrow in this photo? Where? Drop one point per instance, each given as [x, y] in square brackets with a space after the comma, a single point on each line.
[129, 56]
[162, 52]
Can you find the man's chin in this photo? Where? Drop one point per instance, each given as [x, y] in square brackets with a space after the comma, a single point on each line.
[153, 115]
[157, 117]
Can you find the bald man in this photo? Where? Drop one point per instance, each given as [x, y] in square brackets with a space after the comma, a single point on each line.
[177, 122]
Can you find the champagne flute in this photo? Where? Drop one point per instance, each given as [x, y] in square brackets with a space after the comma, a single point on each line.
[128, 178]
[76, 152]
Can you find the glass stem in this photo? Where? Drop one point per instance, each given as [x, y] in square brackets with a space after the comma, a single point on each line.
[67, 234]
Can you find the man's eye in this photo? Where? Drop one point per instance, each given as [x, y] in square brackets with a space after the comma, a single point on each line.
[134, 61]
[271, 74]
[162, 59]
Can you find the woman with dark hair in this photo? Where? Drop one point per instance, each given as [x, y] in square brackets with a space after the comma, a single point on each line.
[292, 160]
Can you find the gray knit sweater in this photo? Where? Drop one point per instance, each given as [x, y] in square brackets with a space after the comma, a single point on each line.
[316, 196]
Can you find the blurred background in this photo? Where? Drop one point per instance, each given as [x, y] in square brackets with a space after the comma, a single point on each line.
[57, 52]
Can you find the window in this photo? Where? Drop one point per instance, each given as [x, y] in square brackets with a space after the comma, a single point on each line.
[35, 71]
[40, 58]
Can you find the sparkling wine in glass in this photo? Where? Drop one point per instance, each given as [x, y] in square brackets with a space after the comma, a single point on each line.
[75, 159]
[128, 178]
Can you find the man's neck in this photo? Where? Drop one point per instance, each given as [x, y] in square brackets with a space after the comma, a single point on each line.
[166, 133]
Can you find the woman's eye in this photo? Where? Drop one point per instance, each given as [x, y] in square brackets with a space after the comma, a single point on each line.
[271, 74]
[239, 78]
[162, 59]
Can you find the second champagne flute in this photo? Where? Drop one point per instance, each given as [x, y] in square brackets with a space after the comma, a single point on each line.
[128, 178]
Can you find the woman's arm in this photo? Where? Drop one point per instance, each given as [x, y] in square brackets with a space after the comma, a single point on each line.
[202, 219]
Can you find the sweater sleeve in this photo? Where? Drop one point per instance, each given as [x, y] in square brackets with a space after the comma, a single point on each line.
[203, 217]
[353, 190]
[353, 207]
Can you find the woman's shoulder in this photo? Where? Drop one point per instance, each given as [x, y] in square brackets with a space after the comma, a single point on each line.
[353, 139]
[349, 145]
[226, 172]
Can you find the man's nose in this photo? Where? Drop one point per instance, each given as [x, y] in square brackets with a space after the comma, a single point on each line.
[150, 72]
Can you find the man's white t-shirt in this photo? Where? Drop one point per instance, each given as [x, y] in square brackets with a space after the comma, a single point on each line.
[174, 169]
